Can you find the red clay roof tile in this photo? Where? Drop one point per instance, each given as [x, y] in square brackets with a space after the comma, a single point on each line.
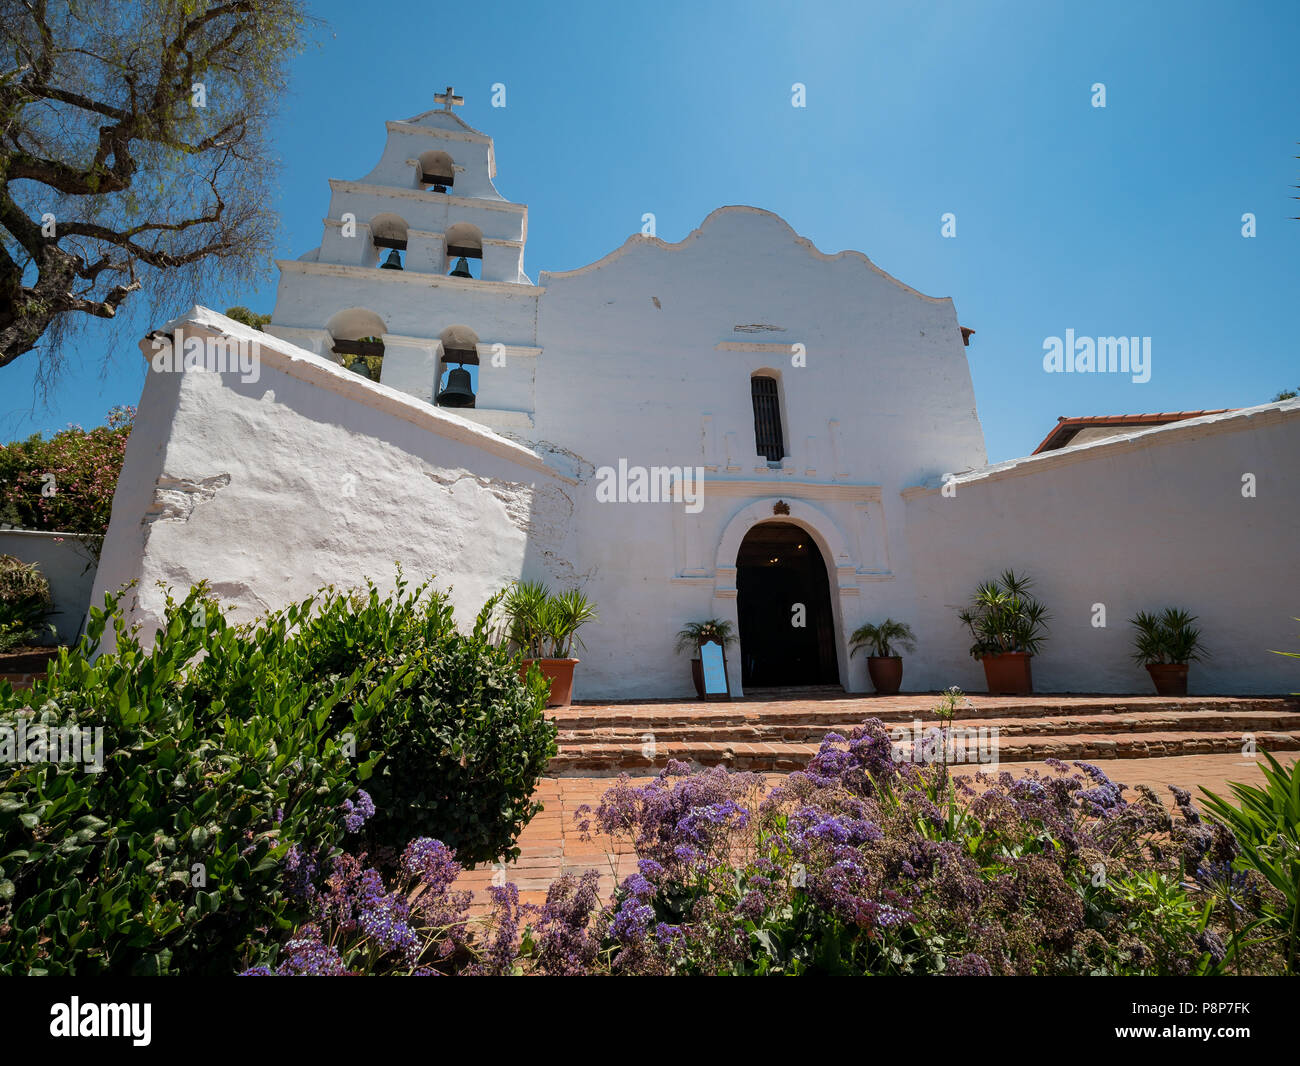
[1066, 428]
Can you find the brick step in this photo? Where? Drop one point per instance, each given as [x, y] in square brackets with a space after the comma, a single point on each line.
[769, 730]
[829, 714]
[605, 758]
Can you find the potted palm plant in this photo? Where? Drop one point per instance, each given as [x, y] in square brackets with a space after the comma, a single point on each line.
[693, 634]
[883, 666]
[544, 629]
[1009, 626]
[1165, 644]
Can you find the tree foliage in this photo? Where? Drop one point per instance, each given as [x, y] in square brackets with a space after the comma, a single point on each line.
[242, 314]
[65, 484]
[133, 155]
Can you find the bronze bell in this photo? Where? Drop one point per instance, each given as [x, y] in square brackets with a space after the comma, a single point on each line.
[394, 261]
[459, 391]
[461, 269]
[360, 368]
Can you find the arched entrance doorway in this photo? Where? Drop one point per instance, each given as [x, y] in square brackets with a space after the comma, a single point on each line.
[778, 568]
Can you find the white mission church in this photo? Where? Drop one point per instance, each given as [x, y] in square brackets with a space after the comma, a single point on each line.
[723, 427]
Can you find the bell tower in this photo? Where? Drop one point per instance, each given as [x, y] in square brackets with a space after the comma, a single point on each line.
[419, 276]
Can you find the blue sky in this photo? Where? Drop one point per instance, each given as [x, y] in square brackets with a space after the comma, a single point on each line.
[1117, 221]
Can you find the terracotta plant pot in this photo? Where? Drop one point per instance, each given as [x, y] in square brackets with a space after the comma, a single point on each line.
[1008, 674]
[697, 675]
[559, 672]
[1170, 678]
[886, 673]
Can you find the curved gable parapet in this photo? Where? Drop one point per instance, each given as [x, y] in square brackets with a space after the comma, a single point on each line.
[440, 119]
[742, 216]
[471, 153]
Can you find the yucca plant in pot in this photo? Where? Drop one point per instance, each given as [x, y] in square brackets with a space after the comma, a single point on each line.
[884, 667]
[693, 634]
[1009, 626]
[1165, 644]
[544, 628]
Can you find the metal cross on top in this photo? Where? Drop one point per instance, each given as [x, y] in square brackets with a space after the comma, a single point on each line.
[449, 99]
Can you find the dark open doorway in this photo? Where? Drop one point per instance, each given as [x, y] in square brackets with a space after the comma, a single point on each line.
[779, 566]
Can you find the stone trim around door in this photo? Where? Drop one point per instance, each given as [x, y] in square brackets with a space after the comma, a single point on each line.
[834, 546]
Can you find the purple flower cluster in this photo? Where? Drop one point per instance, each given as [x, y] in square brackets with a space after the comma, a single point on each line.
[385, 918]
[860, 864]
[355, 814]
[681, 820]
[760, 894]
[970, 965]
[567, 945]
[305, 955]
[1105, 798]
[299, 873]
[501, 948]
[430, 862]
[812, 826]
[632, 921]
[418, 924]
[863, 765]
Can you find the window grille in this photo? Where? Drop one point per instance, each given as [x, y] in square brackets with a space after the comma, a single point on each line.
[767, 419]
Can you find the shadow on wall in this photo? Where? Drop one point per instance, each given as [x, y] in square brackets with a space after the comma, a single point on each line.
[369, 476]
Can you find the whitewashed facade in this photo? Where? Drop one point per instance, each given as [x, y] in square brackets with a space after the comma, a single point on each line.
[646, 359]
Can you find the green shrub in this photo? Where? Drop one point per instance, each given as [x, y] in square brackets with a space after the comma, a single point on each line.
[462, 742]
[1154, 921]
[24, 602]
[169, 858]
[227, 750]
[1266, 823]
[465, 744]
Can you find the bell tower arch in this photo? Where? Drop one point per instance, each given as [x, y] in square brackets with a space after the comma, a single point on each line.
[426, 242]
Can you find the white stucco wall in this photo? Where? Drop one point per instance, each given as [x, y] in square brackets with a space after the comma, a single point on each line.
[1138, 522]
[647, 356]
[310, 476]
[68, 565]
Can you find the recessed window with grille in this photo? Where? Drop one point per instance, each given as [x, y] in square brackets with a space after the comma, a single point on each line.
[767, 418]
